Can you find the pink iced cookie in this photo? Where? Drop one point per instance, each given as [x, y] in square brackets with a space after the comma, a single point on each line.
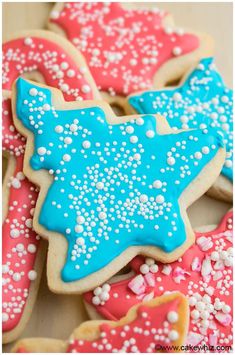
[159, 325]
[203, 274]
[55, 61]
[127, 50]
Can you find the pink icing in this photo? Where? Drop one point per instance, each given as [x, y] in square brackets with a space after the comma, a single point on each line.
[20, 242]
[203, 274]
[151, 327]
[123, 48]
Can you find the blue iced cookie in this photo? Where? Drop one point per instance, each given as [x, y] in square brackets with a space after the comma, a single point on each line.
[202, 99]
[119, 186]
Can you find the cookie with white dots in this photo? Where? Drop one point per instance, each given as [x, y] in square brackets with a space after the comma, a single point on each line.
[128, 49]
[109, 188]
[158, 325]
[204, 274]
[201, 99]
[48, 58]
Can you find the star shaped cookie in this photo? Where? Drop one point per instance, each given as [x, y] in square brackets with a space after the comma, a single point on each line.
[201, 99]
[113, 189]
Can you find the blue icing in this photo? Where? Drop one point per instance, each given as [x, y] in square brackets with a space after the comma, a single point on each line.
[114, 186]
[202, 99]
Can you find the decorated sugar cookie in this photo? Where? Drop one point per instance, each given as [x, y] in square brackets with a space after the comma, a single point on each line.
[114, 189]
[160, 324]
[128, 50]
[201, 99]
[204, 274]
[47, 58]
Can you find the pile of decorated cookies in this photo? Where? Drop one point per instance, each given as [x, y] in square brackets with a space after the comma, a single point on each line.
[109, 193]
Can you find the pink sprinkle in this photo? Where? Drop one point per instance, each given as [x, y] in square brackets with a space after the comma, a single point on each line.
[179, 274]
[166, 269]
[150, 279]
[206, 267]
[207, 278]
[213, 339]
[196, 264]
[217, 276]
[204, 243]
[212, 325]
[224, 319]
[137, 285]
[219, 265]
[194, 338]
[210, 290]
[149, 296]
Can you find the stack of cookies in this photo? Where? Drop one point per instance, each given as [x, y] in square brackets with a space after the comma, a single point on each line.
[114, 122]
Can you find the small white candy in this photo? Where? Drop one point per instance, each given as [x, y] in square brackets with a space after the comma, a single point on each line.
[149, 261]
[143, 198]
[173, 335]
[160, 199]
[16, 276]
[31, 248]
[133, 139]
[139, 121]
[80, 219]
[80, 241]
[150, 133]
[46, 107]
[177, 96]
[29, 222]
[79, 228]
[20, 247]
[68, 140]
[102, 215]
[129, 129]
[100, 185]
[97, 291]
[195, 314]
[66, 157]
[144, 269]
[32, 275]
[172, 317]
[70, 73]
[33, 92]
[177, 51]
[14, 233]
[5, 317]
[86, 89]
[226, 308]
[59, 129]
[157, 184]
[137, 156]
[154, 268]
[106, 287]
[41, 150]
[86, 144]
[96, 300]
[170, 161]
[198, 155]
[28, 41]
[104, 296]
[205, 150]
[73, 127]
